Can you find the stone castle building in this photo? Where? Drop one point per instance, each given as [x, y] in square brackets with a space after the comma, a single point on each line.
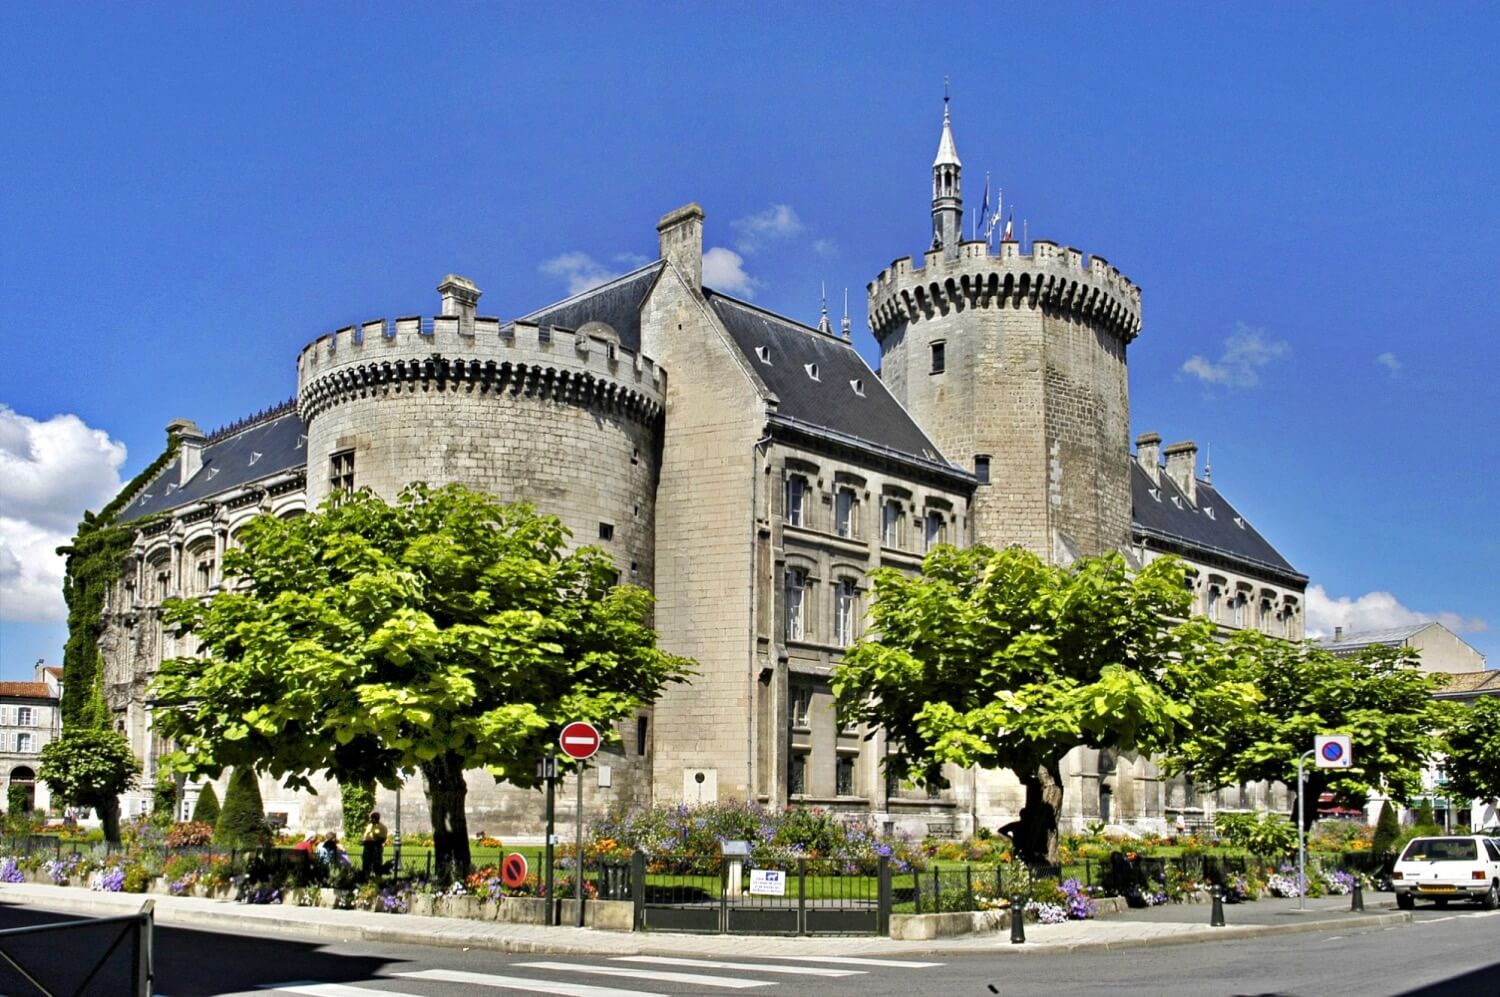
[751, 471]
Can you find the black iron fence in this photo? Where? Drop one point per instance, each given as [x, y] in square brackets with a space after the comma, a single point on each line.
[104, 955]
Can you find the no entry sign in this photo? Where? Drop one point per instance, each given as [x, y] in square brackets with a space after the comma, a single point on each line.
[513, 870]
[1332, 751]
[579, 740]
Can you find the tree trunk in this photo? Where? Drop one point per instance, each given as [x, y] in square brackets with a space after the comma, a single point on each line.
[1036, 834]
[108, 810]
[446, 793]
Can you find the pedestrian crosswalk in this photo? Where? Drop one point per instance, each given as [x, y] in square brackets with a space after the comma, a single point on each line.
[621, 976]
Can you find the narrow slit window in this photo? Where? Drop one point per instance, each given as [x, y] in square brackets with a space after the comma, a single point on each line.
[939, 357]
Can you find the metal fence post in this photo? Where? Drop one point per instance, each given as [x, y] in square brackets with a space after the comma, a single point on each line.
[883, 897]
[937, 891]
[802, 896]
[638, 887]
[916, 892]
[145, 976]
[968, 887]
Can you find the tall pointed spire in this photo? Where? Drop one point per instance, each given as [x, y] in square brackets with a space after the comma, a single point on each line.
[844, 325]
[823, 324]
[947, 189]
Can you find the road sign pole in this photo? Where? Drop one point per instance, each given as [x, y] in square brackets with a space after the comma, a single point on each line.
[578, 855]
[1301, 834]
[550, 773]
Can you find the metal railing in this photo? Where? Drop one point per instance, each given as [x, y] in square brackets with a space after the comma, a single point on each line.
[63, 965]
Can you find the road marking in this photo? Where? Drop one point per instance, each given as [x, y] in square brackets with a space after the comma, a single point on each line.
[752, 967]
[849, 960]
[696, 979]
[314, 989]
[522, 983]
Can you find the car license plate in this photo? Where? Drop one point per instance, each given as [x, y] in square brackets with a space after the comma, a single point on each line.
[1436, 888]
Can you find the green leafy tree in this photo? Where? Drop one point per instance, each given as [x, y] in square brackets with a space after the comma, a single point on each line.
[1425, 817]
[442, 633]
[994, 658]
[206, 810]
[1473, 750]
[1377, 696]
[164, 801]
[1387, 830]
[91, 768]
[358, 802]
[242, 821]
[91, 764]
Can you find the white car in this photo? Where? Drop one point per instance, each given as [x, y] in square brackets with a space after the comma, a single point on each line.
[1448, 868]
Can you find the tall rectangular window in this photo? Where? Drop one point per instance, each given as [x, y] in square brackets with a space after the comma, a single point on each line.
[23, 716]
[796, 783]
[1239, 609]
[801, 705]
[934, 529]
[341, 471]
[24, 743]
[843, 512]
[843, 776]
[982, 468]
[939, 358]
[1213, 603]
[890, 523]
[796, 500]
[796, 592]
[642, 724]
[843, 612]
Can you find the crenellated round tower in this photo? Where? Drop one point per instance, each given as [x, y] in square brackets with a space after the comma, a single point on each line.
[566, 419]
[1015, 365]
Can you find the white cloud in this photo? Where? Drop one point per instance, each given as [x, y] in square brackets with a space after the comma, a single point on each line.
[752, 232]
[1388, 360]
[825, 247]
[1375, 611]
[582, 272]
[1246, 352]
[724, 270]
[52, 471]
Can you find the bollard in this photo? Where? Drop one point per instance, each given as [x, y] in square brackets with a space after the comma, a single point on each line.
[1357, 899]
[1017, 919]
[1216, 919]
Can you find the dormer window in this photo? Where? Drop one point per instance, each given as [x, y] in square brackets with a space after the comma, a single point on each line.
[812, 370]
[1156, 494]
[255, 456]
[1208, 511]
[1239, 522]
[763, 354]
[1177, 501]
[858, 386]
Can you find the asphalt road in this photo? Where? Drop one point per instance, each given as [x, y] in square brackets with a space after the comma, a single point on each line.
[1450, 953]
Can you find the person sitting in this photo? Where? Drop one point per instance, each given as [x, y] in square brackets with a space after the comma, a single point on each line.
[330, 852]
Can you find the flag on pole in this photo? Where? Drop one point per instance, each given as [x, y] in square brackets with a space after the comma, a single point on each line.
[984, 208]
[1007, 236]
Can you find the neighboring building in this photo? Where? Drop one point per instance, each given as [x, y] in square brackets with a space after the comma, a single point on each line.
[750, 470]
[30, 717]
[1441, 650]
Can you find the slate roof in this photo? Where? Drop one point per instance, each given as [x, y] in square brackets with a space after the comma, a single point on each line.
[1391, 636]
[26, 690]
[1225, 534]
[831, 401]
[257, 451]
[617, 303]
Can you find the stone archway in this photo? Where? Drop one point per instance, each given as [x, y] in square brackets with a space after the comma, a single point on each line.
[21, 789]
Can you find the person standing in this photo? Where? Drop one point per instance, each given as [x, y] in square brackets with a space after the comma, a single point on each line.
[373, 845]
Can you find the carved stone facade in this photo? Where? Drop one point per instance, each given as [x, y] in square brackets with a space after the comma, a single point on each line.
[747, 468]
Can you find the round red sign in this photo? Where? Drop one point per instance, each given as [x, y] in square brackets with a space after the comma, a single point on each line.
[579, 740]
[513, 870]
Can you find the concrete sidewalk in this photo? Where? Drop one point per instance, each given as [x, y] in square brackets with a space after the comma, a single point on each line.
[1171, 924]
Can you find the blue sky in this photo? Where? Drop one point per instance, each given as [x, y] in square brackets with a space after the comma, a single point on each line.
[1305, 193]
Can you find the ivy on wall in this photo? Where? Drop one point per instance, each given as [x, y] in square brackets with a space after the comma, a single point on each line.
[94, 561]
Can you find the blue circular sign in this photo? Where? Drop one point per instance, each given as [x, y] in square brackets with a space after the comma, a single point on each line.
[1333, 751]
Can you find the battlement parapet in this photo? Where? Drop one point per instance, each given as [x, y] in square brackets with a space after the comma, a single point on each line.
[388, 356]
[1055, 276]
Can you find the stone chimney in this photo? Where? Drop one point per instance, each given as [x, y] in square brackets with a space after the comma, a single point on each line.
[681, 236]
[460, 297]
[1182, 468]
[190, 441]
[1148, 455]
[1338, 633]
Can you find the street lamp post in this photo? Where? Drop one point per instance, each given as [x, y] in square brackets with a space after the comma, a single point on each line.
[1301, 834]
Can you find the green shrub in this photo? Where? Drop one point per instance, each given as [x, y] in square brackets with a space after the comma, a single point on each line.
[242, 821]
[206, 810]
[164, 801]
[358, 803]
[1387, 829]
[1424, 813]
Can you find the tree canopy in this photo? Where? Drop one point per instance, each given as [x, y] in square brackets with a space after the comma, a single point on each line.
[1377, 696]
[91, 764]
[994, 658]
[443, 632]
[1474, 750]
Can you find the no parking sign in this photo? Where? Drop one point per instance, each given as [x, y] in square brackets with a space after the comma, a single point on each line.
[1332, 751]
